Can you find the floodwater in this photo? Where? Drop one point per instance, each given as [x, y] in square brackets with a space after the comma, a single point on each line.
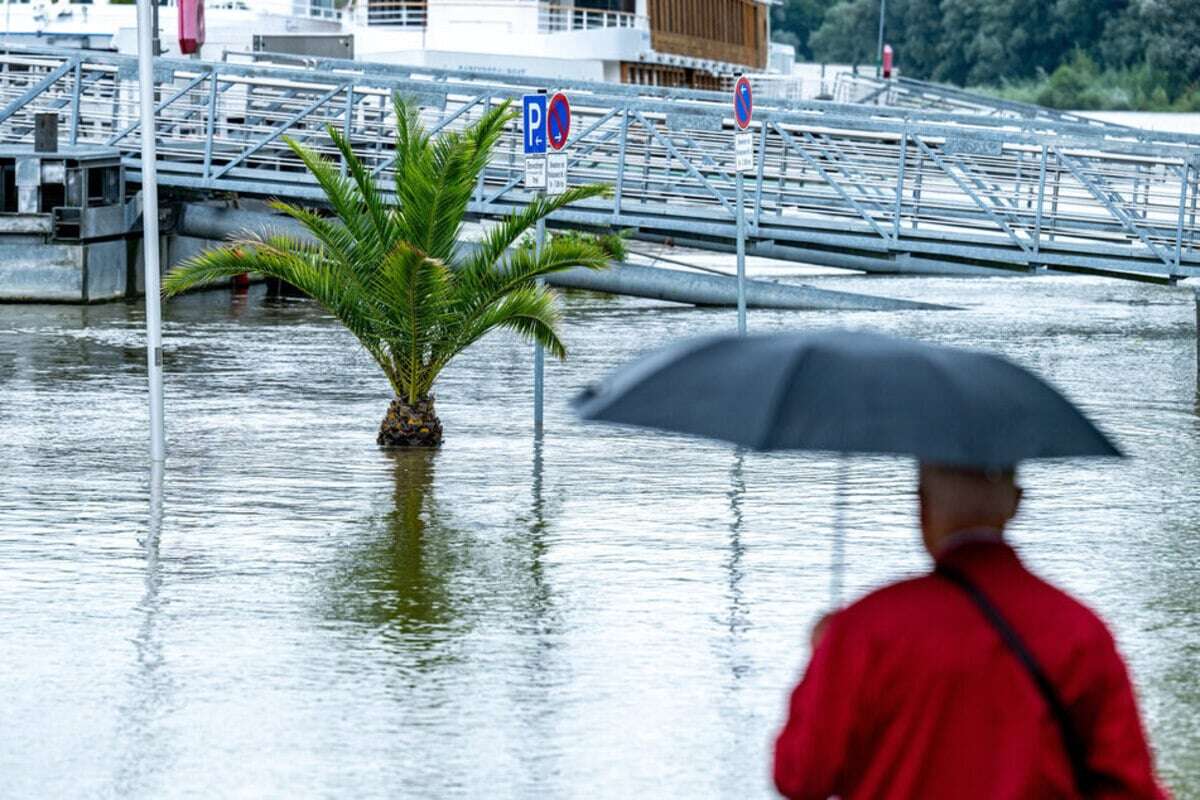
[609, 613]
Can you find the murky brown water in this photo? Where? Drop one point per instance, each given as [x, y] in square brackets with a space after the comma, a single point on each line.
[611, 613]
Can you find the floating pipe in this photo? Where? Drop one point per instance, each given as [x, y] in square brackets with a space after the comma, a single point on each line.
[211, 222]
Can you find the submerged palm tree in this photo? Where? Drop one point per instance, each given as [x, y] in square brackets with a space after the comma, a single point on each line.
[395, 273]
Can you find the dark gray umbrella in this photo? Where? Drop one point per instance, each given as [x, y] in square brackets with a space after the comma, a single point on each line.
[848, 392]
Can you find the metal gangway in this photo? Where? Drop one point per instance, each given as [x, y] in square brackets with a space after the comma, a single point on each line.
[858, 185]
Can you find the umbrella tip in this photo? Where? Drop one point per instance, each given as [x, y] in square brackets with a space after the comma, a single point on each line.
[589, 392]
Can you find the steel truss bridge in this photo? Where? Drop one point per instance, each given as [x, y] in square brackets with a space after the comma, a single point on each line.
[932, 180]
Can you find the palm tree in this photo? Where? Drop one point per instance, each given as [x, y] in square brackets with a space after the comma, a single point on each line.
[395, 272]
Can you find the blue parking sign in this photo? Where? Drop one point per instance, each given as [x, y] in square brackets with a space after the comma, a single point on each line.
[533, 121]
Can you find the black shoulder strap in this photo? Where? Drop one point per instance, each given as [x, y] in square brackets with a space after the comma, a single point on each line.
[1076, 751]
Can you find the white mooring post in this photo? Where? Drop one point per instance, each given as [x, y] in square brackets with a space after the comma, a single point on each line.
[154, 355]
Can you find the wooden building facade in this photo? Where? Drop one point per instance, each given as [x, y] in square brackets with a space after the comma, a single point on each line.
[730, 31]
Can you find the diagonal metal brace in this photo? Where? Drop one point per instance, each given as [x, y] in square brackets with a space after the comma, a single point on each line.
[984, 207]
[792, 144]
[838, 159]
[386, 162]
[187, 87]
[282, 128]
[1105, 195]
[688, 165]
[39, 87]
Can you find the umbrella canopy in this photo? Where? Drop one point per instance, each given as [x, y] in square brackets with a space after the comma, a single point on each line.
[848, 392]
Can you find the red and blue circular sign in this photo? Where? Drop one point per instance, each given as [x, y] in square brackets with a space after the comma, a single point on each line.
[558, 121]
[743, 103]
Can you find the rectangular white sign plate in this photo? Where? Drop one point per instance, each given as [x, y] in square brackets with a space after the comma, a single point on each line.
[535, 172]
[556, 173]
[744, 151]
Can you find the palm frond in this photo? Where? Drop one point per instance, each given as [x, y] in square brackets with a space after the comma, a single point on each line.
[288, 259]
[478, 287]
[435, 186]
[375, 208]
[497, 241]
[339, 241]
[412, 293]
[531, 311]
[341, 192]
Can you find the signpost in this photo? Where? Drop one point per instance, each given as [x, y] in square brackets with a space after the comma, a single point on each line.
[533, 118]
[558, 128]
[544, 123]
[743, 149]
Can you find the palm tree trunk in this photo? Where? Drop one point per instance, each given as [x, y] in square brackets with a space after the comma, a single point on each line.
[410, 425]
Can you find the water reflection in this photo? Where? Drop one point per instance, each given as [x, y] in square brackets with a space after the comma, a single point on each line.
[739, 616]
[145, 752]
[837, 567]
[540, 606]
[398, 576]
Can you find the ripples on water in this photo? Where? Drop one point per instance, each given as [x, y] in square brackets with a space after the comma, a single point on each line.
[611, 613]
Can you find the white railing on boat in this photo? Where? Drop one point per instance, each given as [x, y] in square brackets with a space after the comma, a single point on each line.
[308, 9]
[397, 13]
[560, 19]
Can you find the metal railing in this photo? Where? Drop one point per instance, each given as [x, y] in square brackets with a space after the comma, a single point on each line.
[868, 183]
[308, 9]
[560, 19]
[901, 92]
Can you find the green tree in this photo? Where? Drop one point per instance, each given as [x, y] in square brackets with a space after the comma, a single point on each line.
[793, 21]
[849, 33]
[1173, 42]
[394, 271]
[914, 29]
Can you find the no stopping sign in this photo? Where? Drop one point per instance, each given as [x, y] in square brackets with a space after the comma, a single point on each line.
[558, 121]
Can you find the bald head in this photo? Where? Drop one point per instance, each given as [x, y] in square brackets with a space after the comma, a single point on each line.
[954, 499]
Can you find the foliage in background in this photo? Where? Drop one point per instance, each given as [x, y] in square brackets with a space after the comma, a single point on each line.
[1099, 54]
[612, 244]
[1081, 84]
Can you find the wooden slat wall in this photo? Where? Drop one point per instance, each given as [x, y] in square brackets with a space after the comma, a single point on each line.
[734, 31]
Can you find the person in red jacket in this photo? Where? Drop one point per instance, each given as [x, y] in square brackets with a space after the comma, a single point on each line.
[914, 692]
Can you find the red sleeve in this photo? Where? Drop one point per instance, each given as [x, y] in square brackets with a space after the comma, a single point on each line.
[1118, 754]
[813, 747]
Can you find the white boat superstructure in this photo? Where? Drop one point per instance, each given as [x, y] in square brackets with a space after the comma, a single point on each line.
[696, 43]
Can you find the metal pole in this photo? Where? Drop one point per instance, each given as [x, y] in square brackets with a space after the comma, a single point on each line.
[879, 49]
[758, 180]
[1041, 197]
[616, 215]
[1192, 215]
[1183, 187]
[741, 257]
[77, 77]
[539, 353]
[900, 183]
[154, 354]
